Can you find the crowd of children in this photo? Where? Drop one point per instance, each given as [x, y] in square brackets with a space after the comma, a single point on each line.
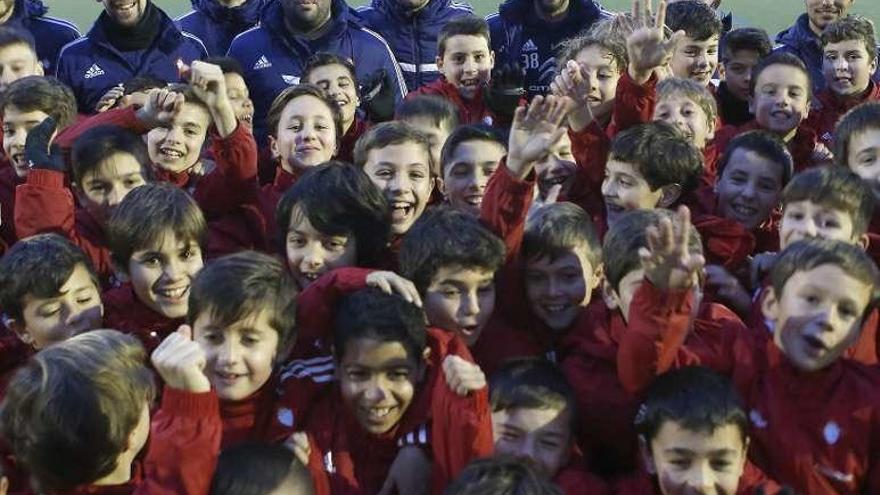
[647, 265]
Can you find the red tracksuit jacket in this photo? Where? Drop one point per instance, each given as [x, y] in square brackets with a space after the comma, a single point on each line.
[574, 479]
[818, 432]
[470, 111]
[8, 182]
[459, 429]
[345, 153]
[829, 108]
[804, 146]
[123, 311]
[181, 454]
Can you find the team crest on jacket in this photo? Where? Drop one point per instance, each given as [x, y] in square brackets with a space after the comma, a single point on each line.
[831, 432]
[285, 417]
[757, 419]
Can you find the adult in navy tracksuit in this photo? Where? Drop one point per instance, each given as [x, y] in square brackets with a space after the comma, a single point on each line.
[50, 33]
[125, 42]
[411, 27]
[216, 22]
[802, 38]
[529, 32]
[274, 53]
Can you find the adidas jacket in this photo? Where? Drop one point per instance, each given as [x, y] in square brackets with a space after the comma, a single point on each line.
[413, 39]
[91, 65]
[50, 34]
[273, 59]
[216, 25]
[519, 36]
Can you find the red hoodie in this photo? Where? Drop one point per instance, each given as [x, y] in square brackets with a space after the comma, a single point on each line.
[470, 111]
[804, 146]
[829, 108]
[818, 432]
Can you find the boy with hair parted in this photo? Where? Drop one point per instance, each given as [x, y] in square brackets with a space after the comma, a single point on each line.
[26, 102]
[480, 92]
[741, 49]
[155, 236]
[102, 373]
[849, 59]
[812, 410]
[694, 436]
[534, 417]
[468, 159]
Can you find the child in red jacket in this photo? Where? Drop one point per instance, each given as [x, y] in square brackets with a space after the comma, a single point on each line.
[434, 116]
[849, 59]
[102, 375]
[741, 49]
[468, 159]
[390, 382]
[814, 414]
[155, 236]
[694, 436]
[534, 417]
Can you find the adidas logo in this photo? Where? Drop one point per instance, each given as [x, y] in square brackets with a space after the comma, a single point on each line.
[94, 71]
[288, 79]
[529, 46]
[262, 63]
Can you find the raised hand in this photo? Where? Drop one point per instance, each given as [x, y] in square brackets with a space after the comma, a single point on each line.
[647, 47]
[505, 89]
[392, 283]
[534, 131]
[181, 362]
[298, 443]
[377, 94]
[209, 84]
[110, 98]
[37, 149]
[667, 262]
[575, 83]
[160, 107]
[461, 376]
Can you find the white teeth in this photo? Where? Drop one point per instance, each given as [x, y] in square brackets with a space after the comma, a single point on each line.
[399, 205]
[555, 308]
[171, 153]
[380, 412]
[172, 293]
[744, 210]
[474, 200]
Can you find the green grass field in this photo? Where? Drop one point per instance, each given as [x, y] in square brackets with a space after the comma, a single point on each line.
[772, 15]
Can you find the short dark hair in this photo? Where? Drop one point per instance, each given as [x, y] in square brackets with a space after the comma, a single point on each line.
[833, 187]
[463, 25]
[765, 144]
[696, 398]
[372, 314]
[746, 38]
[780, 58]
[10, 35]
[556, 229]
[531, 383]
[501, 475]
[38, 266]
[661, 154]
[851, 27]
[465, 133]
[323, 59]
[44, 94]
[862, 118]
[620, 253]
[339, 199]
[228, 65]
[436, 108]
[147, 214]
[273, 118]
[698, 20]
[69, 412]
[807, 254]
[445, 237]
[390, 134]
[243, 284]
[255, 468]
[97, 144]
[138, 84]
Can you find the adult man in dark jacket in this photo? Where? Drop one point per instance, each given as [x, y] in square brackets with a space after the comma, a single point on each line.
[130, 38]
[216, 22]
[275, 53]
[411, 27]
[802, 38]
[529, 32]
[50, 33]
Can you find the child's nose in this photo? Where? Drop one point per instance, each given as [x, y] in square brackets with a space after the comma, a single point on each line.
[229, 352]
[470, 304]
[314, 256]
[702, 479]
[374, 391]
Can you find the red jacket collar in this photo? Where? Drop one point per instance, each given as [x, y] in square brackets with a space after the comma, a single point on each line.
[830, 100]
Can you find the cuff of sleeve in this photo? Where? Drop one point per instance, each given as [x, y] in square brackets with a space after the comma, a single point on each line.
[512, 182]
[183, 403]
[634, 88]
[46, 178]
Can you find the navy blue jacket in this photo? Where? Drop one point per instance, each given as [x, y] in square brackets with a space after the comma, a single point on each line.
[50, 33]
[413, 39]
[518, 35]
[216, 25]
[800, 40]
[273, 59]
[91, 65]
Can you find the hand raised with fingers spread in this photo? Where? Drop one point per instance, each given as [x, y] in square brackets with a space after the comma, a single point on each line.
[161, 107]
[535, 129]
[647, 47]
[575, 83]
[181, 362]
[667, 261]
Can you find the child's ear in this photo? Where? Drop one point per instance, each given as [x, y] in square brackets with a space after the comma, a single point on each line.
[711, 133]
[770, 305]
[598, 277]
[439, 61]
[120, 272]
[20, 330]
[669, 195]
[647, 456]
[440, 185]
[492, 58]
[612, 300]
[273, 147]
[41, 71]
[863, 241]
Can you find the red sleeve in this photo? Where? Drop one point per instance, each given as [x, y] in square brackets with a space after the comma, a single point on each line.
[505, 206]
[633, 103]
[120, 117]
[316, 469]
[45, 204]
[316, 305]
[753, 480]
[184, 444]
[590, 149]
[234, 182]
